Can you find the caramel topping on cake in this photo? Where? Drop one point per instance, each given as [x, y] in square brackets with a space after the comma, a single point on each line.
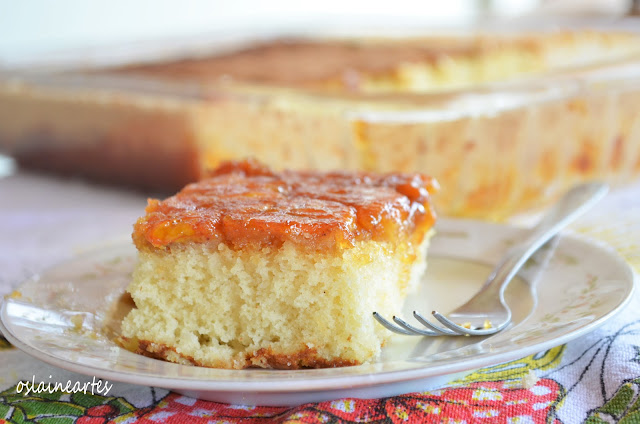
[385, 64]
[298, 62]
[244, 204]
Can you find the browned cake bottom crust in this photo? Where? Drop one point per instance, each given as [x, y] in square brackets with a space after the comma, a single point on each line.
[262, 358]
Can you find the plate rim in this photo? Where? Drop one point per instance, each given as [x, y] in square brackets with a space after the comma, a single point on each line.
[284, 383]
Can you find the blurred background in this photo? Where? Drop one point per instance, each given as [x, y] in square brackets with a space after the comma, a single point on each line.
[44, 125]
[32, 28]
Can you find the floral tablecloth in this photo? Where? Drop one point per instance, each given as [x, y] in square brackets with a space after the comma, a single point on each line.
[43, 221]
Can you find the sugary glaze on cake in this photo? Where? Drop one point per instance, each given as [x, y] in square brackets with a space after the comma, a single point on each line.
[301, 62]
[244, 204]
[407, 64]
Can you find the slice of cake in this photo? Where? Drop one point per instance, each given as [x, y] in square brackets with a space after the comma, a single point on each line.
[252, 268]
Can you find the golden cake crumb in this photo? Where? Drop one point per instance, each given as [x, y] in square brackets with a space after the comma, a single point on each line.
[529, 380]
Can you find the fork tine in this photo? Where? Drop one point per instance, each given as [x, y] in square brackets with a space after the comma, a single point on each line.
[417, 331]
[434, 328]
[467, 331]
[392, 327]
[491, 295]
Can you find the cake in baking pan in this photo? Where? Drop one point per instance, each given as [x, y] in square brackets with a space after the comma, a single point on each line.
[255, 268]
[505, 122]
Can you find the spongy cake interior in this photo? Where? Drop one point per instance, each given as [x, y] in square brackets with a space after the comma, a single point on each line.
[280, 307]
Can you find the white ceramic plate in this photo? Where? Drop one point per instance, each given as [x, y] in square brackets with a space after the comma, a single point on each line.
[562, 293]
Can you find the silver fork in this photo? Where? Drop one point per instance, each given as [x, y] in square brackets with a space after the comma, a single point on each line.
[487, 312]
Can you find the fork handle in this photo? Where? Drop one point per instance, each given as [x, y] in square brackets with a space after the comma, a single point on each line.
[571, 206]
